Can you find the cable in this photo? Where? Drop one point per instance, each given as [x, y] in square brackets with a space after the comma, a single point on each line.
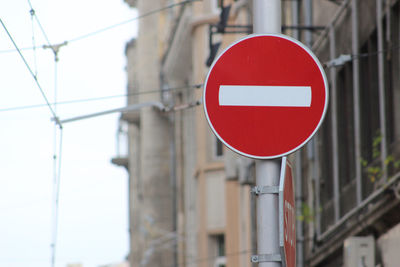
[351, 57]
[33, 75]
[56, 161]
[21, 49]
[30, 4]
[76, 39]
[375, 53]
[32, 12]
[84, 36]
[56, 195]
[57, 169]
[56, 164]
[184, 106]
[196, 86]
[41, 28]
[55, 47]
[130, 20]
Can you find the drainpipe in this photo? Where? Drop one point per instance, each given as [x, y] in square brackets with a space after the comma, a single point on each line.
[169, 98]
[172, 149]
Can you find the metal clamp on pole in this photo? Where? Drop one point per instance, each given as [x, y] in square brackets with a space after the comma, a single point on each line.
[258, 190]
[266, 258]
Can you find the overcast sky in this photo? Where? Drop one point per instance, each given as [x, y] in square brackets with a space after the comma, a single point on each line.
[93, 218]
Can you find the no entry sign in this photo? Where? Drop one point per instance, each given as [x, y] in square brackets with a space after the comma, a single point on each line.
[265, 96]
[287, 216]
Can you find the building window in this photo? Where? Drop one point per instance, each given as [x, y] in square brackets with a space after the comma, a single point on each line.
[371, 134]
[326, 180]
[219, 148]
[215, 151]
[217, 250]
[346, 139]
[393, 89]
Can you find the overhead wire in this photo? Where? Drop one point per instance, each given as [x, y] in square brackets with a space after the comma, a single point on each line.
[90, 34]
[79, 38]
[56, 195]
[362, 55]
[21, 49]
[32, 73]
[39, 24]
[146, 14]
[353, 57]
[32, 12]
[57, 155]
[56, 165]
[83, 100]
[57, 169]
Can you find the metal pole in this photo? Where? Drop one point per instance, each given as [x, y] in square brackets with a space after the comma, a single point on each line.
[381, 84]
[267, 16]
[356, 94]
[267, 19]
[334, 125]
[267, 174]
[295, 19]
[308, 17]
[173, 184]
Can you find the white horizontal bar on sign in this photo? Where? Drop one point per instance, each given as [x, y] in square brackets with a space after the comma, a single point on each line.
[265, 96]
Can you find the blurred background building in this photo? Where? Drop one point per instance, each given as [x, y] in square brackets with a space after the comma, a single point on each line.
[122, 264]
[189, 197]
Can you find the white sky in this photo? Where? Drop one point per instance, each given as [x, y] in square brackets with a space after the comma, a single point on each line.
[93, 213]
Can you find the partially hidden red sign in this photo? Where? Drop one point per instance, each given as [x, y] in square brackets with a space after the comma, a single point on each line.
[265, 96]
[287, 216]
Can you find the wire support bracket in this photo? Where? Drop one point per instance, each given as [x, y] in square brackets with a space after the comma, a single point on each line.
[266, 258]
[55, 48]
[339, 61]
[259, 190]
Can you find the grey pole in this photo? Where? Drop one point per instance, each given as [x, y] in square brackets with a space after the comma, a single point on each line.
[267, 16]
[267, 19]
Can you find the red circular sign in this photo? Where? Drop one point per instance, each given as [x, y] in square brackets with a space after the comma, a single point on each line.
[265, 96]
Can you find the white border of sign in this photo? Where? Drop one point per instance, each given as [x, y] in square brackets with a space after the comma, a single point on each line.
[325, 105]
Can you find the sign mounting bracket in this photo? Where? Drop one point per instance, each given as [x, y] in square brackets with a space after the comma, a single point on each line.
[258, 190]
[266, 258]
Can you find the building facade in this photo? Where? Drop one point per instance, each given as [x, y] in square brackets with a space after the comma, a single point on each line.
[189, 197]
[181, 194]
[352, 173]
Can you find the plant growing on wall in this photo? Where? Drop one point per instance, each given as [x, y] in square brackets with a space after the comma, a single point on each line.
[307, 213]
[375, 173]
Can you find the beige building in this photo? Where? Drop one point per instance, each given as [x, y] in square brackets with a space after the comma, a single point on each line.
[189, 197]
[186, 209]
[122, 264]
